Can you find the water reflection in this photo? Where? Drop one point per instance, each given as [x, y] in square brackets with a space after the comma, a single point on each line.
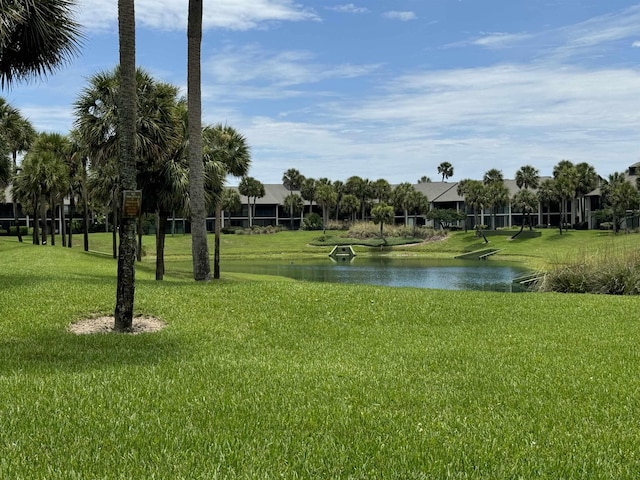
[395, 272]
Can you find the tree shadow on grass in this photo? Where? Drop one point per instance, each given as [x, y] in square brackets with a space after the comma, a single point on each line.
[54, 351]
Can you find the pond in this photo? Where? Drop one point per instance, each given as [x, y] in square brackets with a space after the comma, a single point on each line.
[488, 275]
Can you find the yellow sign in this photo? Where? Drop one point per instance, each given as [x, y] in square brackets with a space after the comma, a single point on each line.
[131, 203]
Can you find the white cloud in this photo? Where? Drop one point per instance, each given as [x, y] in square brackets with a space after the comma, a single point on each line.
[404, 16]
[280, 69]
[348, 8]
[636, 44]
[500, 40]
[98, 15]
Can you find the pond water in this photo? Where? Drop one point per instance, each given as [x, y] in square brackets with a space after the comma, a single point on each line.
[486, 275]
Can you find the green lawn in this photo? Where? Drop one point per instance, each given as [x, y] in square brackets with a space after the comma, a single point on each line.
[266, 378]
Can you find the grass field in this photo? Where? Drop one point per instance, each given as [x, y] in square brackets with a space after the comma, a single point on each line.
[266, 378]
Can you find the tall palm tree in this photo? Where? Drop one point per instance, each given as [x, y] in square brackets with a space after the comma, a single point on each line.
[251, 188]
[16, 135]
[587, 182]
[127, 106]
[527, 177]
[225, 152]
[361, 188]
[497, 195]
[446, 170]
[160, 135]
[524, 201]
[402, 199]
[308, 191]
[199, 246]
[41, 179]
[326, 197]
[566, 183]
[547, 194]
[292, 180]
[36, 37]
[475, 196]
[56, 147]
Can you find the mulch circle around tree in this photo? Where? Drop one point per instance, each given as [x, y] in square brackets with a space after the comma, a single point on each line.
[104, 324]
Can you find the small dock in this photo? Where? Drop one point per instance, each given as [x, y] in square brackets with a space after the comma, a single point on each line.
[479, 254]
[342, 253]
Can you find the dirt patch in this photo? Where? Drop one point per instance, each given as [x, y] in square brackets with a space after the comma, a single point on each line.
[104, 324]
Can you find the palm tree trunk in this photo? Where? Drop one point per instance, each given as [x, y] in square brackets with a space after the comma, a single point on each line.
[63, 223]
[199, 246]
[161, 231]
[36, 222]
[72, 210]
[43, 219]
[52, 216]
[125, 291]
[216, 244]
[85, 206]
[16, 220]
[114, 233]
[139, 249]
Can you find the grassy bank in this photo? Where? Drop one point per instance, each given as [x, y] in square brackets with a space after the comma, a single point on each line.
[264, 379]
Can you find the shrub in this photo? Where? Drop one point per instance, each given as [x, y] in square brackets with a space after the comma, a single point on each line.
[258, 230]
[603, 274]
[312, 221]
[606, 226]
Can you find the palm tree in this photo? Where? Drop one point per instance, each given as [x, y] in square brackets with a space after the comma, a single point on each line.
[361, 188]
[326, 197]
[619, 196]
[160, 137]
[292, 180]
[526, 177]
[199, 246]
[36, 37]
[446, 170]
[475, 196]
[524, 201]
[587, 182]
[56, 147]
[424, 179]
[308, 191]
[16, 135]
[497, 195]
[419, 205]
[225, 152]
[350, 205]
[230, 202]
[294, 203]
[547, 194]
[382, 213]
[251, 188]
[403, 198]
[338, 186]
[127, 112]
[41, 179]
[566, 183]
[381, 190]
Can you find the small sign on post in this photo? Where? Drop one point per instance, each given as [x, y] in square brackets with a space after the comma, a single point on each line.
[131, 203]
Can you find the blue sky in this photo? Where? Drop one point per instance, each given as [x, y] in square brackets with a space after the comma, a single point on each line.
[387, 89]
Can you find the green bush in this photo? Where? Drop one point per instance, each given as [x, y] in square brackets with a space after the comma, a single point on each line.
[312, 221]
[23, 230]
